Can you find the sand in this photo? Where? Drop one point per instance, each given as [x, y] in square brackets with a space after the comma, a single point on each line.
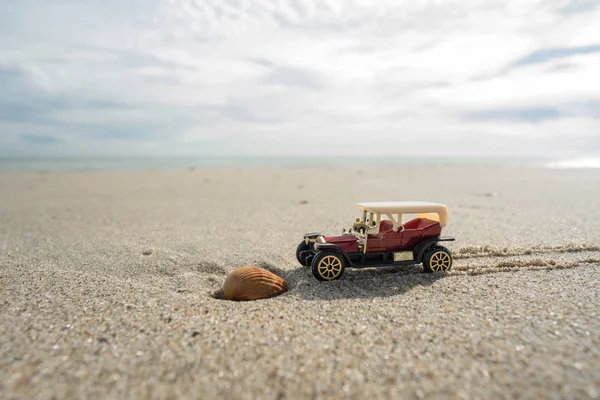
[106, 284]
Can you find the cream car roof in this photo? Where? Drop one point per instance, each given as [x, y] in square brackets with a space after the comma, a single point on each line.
[408, 207]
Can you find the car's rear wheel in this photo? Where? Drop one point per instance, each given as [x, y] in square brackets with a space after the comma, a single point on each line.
[437, 258]
[327, 266]
[299, 256]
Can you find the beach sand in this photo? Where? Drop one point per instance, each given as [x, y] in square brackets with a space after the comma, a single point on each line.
[107, 282]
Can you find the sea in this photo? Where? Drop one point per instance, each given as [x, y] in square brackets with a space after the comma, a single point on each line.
[231, 162]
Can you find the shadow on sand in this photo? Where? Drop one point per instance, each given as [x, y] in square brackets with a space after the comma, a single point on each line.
[356, 283]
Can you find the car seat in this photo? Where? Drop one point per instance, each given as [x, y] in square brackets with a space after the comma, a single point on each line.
[385, 226]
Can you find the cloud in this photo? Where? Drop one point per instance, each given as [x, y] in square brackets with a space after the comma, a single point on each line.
[41, 139]
[23, 102]
[588, 110]
[157, 76]
[545, 55]
[579, 6]
[292, 77]
[535, 114]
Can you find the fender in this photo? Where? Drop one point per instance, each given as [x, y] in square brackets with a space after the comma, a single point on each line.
[312, 235]
[422, 247]
[335, 249]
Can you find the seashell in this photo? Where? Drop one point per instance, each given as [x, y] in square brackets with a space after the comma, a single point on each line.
[252, 283]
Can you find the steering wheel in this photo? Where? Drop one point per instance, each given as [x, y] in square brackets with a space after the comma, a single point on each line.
[360, 226]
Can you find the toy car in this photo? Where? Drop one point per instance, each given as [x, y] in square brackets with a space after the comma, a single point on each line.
[379, 238]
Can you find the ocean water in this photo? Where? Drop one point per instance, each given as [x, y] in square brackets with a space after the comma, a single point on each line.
[180, 163]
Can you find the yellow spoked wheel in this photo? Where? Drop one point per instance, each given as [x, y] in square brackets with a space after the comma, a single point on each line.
[436, 259]
[327, 266]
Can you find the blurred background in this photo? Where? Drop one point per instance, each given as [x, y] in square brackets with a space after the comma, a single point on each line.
[193, 82]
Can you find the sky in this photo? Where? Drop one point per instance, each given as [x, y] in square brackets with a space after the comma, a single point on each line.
[300, 77]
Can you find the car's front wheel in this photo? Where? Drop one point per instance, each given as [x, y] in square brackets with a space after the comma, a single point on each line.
[327, 266]
[437, 258]
[299, 256]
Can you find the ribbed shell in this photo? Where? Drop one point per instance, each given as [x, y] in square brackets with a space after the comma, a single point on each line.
[252, 283]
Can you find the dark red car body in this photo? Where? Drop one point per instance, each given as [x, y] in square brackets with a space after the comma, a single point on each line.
[387, 240]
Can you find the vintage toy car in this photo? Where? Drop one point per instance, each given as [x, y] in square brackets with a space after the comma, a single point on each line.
[379, 238]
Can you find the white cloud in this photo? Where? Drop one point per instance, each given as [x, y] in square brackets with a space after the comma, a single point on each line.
[301, 76]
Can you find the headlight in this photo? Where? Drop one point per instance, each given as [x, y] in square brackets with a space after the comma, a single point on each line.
[319, 240]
